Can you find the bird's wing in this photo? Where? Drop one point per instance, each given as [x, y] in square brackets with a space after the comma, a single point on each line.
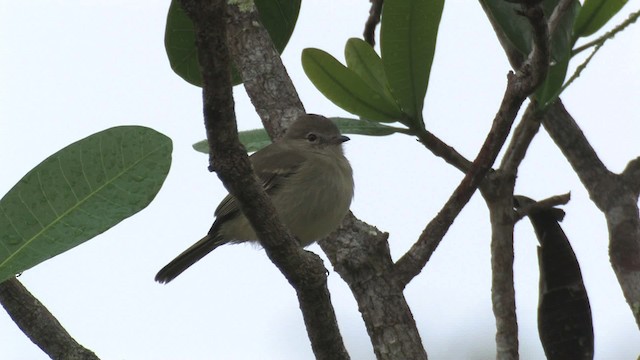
[272, 167]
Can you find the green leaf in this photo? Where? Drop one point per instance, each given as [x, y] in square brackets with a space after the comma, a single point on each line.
[278, 17]
[80, 192]
[595, 14]
[364, 61]
[408, 42]
[518, 30]
[549, 90]
[346, 89]
[180, 44]
[366, 127]
[254, 140]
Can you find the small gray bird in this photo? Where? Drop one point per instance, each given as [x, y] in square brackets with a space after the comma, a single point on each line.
[308, 179]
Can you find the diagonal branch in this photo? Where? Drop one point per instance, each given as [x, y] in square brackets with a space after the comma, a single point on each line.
[39, 324]
[519, 87]
[303, 270]
[264, 76]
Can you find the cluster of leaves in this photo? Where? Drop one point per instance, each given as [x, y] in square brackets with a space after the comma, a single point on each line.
[387, 88]
[578, 22]
[80, 192]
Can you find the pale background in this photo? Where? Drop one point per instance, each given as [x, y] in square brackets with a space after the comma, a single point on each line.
[71, 68]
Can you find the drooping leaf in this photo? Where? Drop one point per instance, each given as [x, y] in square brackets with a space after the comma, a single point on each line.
[564, 312]
[595, 14]
[364, 61]
[408, 42]
[278, 17]
[254, 140]
[346, 89]
[80, 192]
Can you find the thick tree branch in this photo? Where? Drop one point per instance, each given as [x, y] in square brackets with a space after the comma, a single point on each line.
[304, 270]
[264, 76]
[519, 87]
[39, 324]
[363, 260]
[499, 197]
[613, 194]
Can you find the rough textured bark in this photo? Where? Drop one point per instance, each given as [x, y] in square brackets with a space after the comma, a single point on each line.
[303, 270]
[499, 198]
[39, 324]
[264, 76]
[363, 260]
[615, 195]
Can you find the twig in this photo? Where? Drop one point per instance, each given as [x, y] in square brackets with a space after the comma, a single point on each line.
[441, 149]
[526, 206]
[372, 22]
[522, 137]
[633, 17]
[39, 324]
[303, 270]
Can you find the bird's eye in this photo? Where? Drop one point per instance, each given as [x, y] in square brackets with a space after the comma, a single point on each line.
[312, 137]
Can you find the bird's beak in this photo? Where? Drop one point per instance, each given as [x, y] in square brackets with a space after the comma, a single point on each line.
[342, 139]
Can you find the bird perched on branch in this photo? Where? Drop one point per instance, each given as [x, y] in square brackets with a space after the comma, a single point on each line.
[308, 179]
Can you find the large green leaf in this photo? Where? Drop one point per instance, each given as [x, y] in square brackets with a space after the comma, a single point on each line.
[364, 61]
[254, 140]
[408, 42]
[346, 89]
[594, 14]
[80, 192]
[278, 17]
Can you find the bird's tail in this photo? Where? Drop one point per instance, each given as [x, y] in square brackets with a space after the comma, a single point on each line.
[189, 257]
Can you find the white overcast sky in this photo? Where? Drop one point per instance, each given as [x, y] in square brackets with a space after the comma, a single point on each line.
[71, 68]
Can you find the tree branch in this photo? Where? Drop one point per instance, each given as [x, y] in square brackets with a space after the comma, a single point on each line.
[363, 260]
[33, 318]
[519, 87]
[303, 270]
[611, 193]
[499, 198]
[522, 137]
[264, 76]
[441, 149]
[372, 22]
